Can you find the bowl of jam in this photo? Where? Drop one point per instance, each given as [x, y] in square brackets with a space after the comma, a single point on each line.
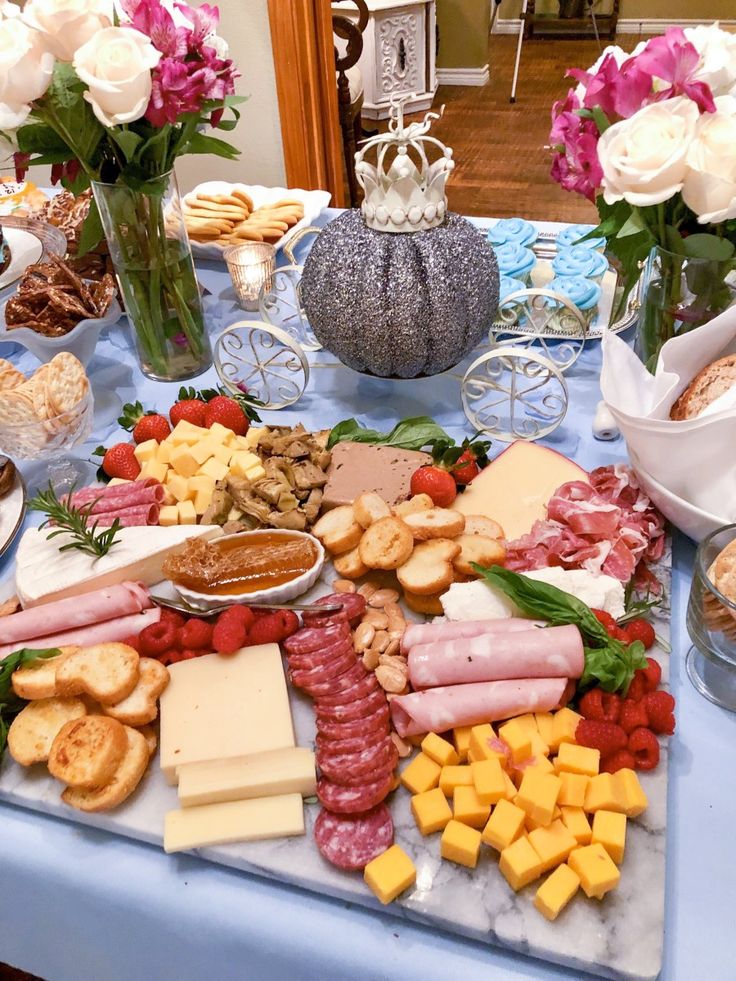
[269, 565]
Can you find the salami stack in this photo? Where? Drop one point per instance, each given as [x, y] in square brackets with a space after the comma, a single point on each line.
[354, 749]
[135, 503]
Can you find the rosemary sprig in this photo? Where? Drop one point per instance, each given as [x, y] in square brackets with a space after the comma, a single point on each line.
[68, 519]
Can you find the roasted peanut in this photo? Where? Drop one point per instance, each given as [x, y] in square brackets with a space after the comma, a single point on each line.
[381, 640]
[370, 660]
[363, 637]
[343, 586]
[381, 597]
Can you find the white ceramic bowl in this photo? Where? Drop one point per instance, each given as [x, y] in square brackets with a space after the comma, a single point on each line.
[80, 341]
[276, 594]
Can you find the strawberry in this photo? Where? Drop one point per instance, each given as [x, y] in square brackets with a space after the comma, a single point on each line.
[466, 468]
[119, 461]
[438, 483]
[191, 410]
[228, 413]
[642, 630]
[464, 462]
[144, 425]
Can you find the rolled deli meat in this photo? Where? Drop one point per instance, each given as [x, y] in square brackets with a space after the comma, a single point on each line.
[107, 632]
[439, 709]
[549, 652]
[429, 633]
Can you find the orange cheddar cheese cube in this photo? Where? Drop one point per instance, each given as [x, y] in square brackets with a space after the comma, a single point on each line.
[572, 791]
[519, 863]
[518, 739]
[431, 811]
[553, 844]
[455, 776]
[564, 724]
[629, 793]
[461, 740]
[556, 892]
[605, 793]
[390, 874]
[539, 764]
[468, 808]
[421, 774]
[460, 843]
[578, 759]
[530, 823]
[596, 869]
[538, 795]
[576, 821]
[539, 746]
[439, 750]
[609, 829]
[505, 825]
[485, 745]
[488, 780]
[545, 721]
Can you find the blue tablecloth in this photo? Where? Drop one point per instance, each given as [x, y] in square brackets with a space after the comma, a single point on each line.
[77, 904]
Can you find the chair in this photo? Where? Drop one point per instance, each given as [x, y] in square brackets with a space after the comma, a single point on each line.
[350, 88]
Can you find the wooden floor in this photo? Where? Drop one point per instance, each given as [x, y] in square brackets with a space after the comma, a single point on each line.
[502, 165]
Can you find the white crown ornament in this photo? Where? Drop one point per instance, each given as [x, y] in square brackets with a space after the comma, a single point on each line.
[399, 195]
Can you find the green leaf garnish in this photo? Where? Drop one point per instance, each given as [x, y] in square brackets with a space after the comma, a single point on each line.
[409, 434]
[68, 519]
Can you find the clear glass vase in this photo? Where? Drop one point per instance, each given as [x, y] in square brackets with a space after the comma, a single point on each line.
[679, 294]
[150, 250]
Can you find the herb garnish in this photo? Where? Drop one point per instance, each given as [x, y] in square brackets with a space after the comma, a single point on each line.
[409, 434]
[74, 521]
[10, 704]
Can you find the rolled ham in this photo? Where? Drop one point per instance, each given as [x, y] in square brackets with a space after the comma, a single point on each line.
[552, 652]
[108, 632]
[144, 514]
[429, 633]
[439, 709]
[121, 496]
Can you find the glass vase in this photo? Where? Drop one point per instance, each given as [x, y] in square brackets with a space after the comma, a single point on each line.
[679, 294]
[150, 250]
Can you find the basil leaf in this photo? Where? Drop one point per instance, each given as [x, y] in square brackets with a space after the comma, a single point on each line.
[409, 434]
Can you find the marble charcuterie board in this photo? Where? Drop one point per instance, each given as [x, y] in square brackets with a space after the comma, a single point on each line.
[619, 937]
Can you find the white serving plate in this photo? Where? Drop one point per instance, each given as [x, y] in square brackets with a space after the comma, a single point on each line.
[25, 249]
[12, 509]
[80, 341]
[314, 202]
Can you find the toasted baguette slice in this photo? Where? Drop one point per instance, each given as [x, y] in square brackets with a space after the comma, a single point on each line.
[140, 707]
[370, 507]
[149, 733]
[38, 680]
[387, 544]
[421, 502]
[479, 524]
[107, 672]
[338, 530]
[477, 548]
[35, 727]
[87, 752]
[435, 523]
[709, 384]
[429, 570]
[428, 605]
[126, 778]
[349, 565]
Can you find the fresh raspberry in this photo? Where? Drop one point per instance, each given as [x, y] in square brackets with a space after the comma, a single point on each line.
[438, 483]
[604, 736]
[171, 656]
[621, 759]
[228, 413]
[186, 654]
[640, 630]
[645, 747]
[590, 705]
[633, 715]
[611, 706]
[229, 635]
[120, 461]
[238, 614]
[157, 638]
[172, 616]
[660, 709]
[637, 688]
[196, 634]
[271, 629]
[653, 674]
[191, 410]
[606, 621]
[132, 641]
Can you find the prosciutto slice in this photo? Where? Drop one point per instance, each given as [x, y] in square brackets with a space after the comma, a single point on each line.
[431, 633]
[440, 709]
[107, 632]
[552, 652]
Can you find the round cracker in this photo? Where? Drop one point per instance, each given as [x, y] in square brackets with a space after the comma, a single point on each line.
[16, 409]
[10, 377]
[66, 382]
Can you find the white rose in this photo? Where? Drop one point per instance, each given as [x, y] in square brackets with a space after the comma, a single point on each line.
[12, 116]
[67, 24]
[116, 66]
[26, 66]
[710, 182]
[717, 50]
[644, 157]
[8, 9]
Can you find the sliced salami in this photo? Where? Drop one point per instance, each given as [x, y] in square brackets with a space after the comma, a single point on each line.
[327, 619]
[353, 744]
[351, 771]
[355, 710]
[353, 800]
[353, 605]
[350, 842]
[318, 689]
[120, 496]
[314, 659]
[347, 778]
[314, 639]
[303, 679]
[143, 514]
[361, 687]
[377, 721]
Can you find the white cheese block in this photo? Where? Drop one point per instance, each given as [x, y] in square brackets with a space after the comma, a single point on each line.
[282, 771]
[515, 488]
[217, 708]
[43, 573]
[239, 820]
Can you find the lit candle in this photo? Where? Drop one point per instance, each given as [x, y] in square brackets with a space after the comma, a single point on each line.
[251, 267]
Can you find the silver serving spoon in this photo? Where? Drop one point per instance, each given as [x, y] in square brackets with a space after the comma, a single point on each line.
[184, 607]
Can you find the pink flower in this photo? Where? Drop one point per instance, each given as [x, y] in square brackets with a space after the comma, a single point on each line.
[672, 58]
[204, 21]
[575, 166]
[152, 19]
[619, 90]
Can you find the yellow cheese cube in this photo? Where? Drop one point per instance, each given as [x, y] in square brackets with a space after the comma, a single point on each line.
[460, 843]
[488, 781]
[118, 480]
[390, 874]
[439, 750]
[553, 844]
[255, 472]
[168, 515]
[596, 869]
[527, 721]
[609, 828]
[202, 500]
[578, 759]
[201, 482]
[519, 864]
[605, 793]
[153, 469]
[538, 795]
[169, 498]
[186, 432]
[572, 791]
[504, 825]
[215, 469]
[187, 514]
[242, 461]
[556, 892]
[510, 787]
[251, 438]
[421, 774]
[179, 487]
[564, 724]
[630, 793]
[183, 462]
[576, 821]
[163, 453]
[518, 738]
[146, 451]
[545, 721]
[431, 811]
[461, 739]
[223, 453]
[203, 450]
[234, 514]
[220, 432]
[468, 808]
[455, 776]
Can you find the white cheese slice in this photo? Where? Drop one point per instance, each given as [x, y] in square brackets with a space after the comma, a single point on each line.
[282, 771]
[43, 573]
[217, 708]
[239, 820]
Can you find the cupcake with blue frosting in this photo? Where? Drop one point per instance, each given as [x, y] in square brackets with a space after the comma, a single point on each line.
[516, 230]
[580, 261]
[507, 286]
[515, 260]
[584, 293]
[573, 233]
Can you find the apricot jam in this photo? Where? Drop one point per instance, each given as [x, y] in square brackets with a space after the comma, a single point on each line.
[245, 563]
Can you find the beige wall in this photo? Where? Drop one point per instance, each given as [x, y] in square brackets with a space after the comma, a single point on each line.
[704, 10]
[463, 27]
